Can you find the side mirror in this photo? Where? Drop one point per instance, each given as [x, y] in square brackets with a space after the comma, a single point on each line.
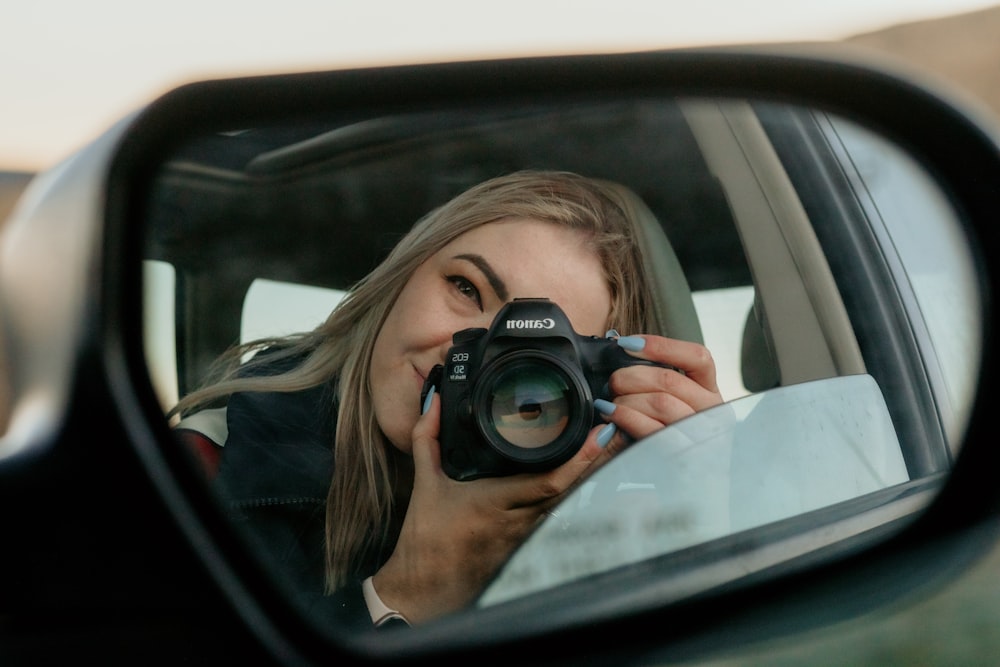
[804, 223]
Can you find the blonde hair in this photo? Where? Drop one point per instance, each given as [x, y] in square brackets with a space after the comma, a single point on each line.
[341, 347]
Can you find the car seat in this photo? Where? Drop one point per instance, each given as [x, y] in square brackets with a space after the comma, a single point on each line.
[674, 312]
[757, 362]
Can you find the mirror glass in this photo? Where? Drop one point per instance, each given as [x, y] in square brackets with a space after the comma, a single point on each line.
[822, 268]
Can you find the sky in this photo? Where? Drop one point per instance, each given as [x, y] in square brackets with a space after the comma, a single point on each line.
[69, 69]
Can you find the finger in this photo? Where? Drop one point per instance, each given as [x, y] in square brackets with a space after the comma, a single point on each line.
[640, 415]
[613, 440]
[544, 488]
[694, 359]
[425, 445]
[632, 380]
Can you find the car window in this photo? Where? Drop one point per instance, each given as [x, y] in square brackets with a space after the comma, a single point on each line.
[723, 313]
[277, 308]
[933, 261]
[864, 238]
[159, 329]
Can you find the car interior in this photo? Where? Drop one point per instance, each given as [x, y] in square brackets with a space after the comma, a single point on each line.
[320, 206]
[309, 208]
[318, 203]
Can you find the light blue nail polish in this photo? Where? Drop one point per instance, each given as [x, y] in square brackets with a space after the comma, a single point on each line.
[612, 333]
[604, 407]
[605, 434]
[427, 401]
[632, 343]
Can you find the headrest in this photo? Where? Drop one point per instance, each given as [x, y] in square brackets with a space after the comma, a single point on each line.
[757, 361]
[674, 311]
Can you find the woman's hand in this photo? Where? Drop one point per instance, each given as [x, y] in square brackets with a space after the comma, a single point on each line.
[647, 398]
[456, 535]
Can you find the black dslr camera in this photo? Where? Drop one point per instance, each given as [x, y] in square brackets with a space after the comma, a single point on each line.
[519, 396]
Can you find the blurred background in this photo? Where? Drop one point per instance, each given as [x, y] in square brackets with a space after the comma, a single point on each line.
[69, 69]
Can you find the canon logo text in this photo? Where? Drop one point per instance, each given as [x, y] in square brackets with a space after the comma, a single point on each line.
[547, 323]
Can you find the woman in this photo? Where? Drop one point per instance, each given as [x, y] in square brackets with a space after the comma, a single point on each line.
[336, 411]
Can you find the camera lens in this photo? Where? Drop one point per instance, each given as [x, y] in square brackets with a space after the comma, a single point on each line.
[529, 404]
[533, 408]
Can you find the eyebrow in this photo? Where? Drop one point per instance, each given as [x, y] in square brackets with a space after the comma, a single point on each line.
[496, 282]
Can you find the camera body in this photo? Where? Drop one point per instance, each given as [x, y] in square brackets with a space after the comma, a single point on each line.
[519, 396]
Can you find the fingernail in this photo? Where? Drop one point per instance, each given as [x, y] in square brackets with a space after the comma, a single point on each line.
[605, 434]
[632, 343]
[612, 333]
[604, 407]
[427, 401]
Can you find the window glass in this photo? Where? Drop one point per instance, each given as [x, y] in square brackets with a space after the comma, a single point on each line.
[723, 313]
[935, 262]
[159, 325]
[277, 308]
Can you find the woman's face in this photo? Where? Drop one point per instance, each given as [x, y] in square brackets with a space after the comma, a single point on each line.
[464, 285]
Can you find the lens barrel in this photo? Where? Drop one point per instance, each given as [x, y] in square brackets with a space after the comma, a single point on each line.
[532, 408]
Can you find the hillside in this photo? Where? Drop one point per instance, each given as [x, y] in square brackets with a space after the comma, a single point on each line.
[11, 185]
[964, 49]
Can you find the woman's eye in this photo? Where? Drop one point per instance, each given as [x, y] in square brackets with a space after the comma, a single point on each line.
[466, 288]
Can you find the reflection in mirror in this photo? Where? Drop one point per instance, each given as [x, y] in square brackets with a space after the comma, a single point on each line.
[769, 348]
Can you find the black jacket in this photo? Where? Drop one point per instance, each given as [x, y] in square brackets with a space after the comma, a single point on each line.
[273, 476]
